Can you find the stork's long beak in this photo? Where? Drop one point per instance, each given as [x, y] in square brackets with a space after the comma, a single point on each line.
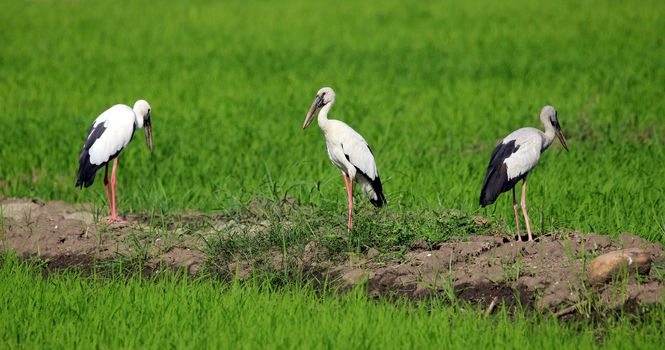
[562, 139]
[318, 102]
[148, 132]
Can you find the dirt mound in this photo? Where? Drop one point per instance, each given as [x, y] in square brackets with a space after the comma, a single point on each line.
[549, 274]
[63, 233]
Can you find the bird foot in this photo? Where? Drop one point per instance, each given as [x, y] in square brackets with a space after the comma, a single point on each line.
[112, 219]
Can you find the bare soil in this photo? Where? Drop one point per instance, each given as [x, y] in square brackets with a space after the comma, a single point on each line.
[548, 274]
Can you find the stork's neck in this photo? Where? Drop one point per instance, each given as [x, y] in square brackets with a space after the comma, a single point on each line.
[548, 135]
[323, 115]
[139, 120]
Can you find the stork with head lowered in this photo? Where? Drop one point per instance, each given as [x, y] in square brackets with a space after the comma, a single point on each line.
[109, 134]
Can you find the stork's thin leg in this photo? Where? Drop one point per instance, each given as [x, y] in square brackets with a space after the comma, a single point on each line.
[114, 212]
[526, 216]
[517, 218]
[349, 193]
[106, 186]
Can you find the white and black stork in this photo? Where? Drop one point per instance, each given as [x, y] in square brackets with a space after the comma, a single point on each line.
[514, 157]
[348, 151]
[107, 137]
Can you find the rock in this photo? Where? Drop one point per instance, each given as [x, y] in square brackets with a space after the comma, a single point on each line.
[603, 268]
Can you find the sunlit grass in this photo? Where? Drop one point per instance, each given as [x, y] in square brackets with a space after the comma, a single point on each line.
[431, 86]
[66, 310]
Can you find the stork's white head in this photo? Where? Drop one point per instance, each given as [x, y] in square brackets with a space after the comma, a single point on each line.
[324, 97]
[142, 111]
[548, 116]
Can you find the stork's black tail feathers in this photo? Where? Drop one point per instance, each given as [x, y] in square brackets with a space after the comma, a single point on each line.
[492, 187]
[373, 189]
[378, 189]
[87, 171]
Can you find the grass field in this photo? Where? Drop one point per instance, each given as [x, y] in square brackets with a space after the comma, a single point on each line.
[431, 86]
[66, 310]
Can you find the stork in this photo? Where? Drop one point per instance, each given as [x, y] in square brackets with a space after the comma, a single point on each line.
[348, 151]
[107, 137]
[514, 157]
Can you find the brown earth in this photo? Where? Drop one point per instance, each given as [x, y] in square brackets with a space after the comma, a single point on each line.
[549, 274]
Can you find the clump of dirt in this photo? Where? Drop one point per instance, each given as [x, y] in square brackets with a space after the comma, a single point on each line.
[548, 274]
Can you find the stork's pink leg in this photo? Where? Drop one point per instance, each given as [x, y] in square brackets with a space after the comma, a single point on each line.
[349, 193]
[114, 211]
[106, 187]
[526, 216]
[517, 218]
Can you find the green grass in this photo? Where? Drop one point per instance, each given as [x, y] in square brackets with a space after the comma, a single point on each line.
[431, 86]
[65, 311]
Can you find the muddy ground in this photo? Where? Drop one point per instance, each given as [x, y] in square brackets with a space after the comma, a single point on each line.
[549, 274]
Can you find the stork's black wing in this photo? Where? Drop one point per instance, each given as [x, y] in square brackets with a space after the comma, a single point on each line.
[87, 170]
[496, 178]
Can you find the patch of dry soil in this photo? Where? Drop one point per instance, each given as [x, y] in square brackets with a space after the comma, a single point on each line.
[67, 234]
[549, 274]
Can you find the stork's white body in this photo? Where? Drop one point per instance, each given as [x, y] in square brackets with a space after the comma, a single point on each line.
[514, 157]
[532, 142]
[119, 123]
[343, 141]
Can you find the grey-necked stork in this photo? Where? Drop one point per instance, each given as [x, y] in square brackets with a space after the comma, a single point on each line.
[107, 137]
[348, 151]
[514, 157]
